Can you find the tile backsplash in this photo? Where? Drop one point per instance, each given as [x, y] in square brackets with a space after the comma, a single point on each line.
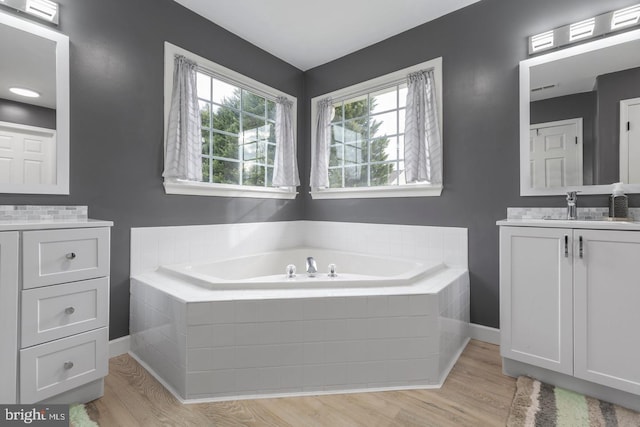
[155, 246]
[42, 213]
[561, 213]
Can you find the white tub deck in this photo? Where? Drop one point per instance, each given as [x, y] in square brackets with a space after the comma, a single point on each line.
[206, 345]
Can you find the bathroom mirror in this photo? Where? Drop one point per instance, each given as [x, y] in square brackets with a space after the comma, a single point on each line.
[34, 131]
[575, 104]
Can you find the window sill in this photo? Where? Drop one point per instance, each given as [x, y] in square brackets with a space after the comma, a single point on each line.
[409, 190]
[193, 188]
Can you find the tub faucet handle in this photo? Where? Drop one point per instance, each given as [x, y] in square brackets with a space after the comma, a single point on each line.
[291, 271]
[332, 270]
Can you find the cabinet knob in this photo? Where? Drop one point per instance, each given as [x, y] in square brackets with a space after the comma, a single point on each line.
[71, 255]
[68, 365]
[69, 310]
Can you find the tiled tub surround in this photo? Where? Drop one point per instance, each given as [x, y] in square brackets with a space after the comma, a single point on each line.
[221, 345]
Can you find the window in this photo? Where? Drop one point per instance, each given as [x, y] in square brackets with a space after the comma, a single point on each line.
[367, 139]
[238, 133]
[238, 128]
[366, 155]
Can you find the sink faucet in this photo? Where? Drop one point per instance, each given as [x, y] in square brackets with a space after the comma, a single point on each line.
[572, 210]
[312, 267]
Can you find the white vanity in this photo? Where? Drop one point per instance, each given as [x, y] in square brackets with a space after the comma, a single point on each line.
[54, 306]
[570, 305]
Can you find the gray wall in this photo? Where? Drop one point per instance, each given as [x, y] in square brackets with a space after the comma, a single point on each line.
[481, 47]
[117, 56]
[612, 88]
[26, 114]
[581, 105]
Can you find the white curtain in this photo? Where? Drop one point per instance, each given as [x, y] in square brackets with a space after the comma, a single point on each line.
[423, 142]
[285, 167]
[320, 155]
[184, 149]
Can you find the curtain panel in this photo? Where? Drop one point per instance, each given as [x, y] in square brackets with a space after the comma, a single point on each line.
[285, 168]
[320, 155]
[183, 145]
[423, 141]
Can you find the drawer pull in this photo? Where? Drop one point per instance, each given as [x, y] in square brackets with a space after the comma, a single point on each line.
[69, 310]
[68, 365]
[71, 255]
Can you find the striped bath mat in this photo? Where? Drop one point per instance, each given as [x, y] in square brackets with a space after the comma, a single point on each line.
[542, 405]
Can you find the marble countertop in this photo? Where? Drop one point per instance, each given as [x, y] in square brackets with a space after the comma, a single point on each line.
[16, 225]
[566, 223]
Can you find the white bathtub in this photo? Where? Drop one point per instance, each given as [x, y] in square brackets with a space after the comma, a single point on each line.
[267, 271]
[238, 328]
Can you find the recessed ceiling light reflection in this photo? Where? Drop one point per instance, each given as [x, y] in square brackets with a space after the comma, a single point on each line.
[24, 92]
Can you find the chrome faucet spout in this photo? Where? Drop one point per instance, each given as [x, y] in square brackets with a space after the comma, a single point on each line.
[572, 208]
[312, 267]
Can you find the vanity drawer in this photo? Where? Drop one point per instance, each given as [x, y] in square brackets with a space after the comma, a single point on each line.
[58, 256]
[53, 312]
[55, 367]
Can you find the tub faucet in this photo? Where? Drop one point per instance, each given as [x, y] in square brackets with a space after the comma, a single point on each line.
[572, 210]
[312, 267]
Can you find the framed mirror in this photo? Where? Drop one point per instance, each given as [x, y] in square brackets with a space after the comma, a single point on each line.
[580, 118]
[34, 108]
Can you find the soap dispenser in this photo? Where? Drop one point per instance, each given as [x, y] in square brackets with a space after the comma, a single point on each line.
[618, 203]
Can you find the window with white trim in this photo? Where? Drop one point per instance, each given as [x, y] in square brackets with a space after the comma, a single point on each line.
[366, 155]
[238, 129]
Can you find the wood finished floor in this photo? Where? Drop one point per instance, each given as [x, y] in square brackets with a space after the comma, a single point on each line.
[475, 394]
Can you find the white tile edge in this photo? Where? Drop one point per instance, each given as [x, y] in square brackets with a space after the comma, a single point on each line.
[277, 395]
[313, 393]
[453, 361]
[157, 377]
[119, 346]
[484, 333]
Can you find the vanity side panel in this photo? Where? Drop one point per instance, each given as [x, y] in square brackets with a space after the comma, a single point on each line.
[8, 316]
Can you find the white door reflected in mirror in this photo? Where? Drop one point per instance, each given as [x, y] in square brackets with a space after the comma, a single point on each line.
[27, 155]
[630, 141]
[556, 154]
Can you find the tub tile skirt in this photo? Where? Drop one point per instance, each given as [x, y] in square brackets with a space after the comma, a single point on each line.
[222, 350]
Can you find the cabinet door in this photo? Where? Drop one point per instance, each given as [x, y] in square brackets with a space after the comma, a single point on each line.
[8, 316]
[607, 308]
[536, 307]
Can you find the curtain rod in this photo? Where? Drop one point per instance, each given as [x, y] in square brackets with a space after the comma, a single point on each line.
[233, 82]
[375, 88]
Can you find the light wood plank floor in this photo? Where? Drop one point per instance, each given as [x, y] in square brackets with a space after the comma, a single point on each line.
[475, 394]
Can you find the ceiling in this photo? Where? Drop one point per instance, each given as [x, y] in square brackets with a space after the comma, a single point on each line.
[28, 62]
[307, 34]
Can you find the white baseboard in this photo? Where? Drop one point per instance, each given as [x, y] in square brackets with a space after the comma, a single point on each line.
[484, 333]
[119, 346]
